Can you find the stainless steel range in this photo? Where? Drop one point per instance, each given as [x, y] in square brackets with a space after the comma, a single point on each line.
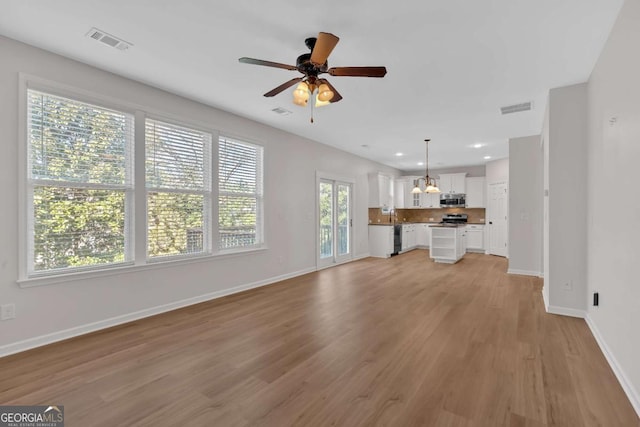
[454, 218]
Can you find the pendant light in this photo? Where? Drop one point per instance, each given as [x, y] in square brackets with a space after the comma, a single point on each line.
[429, 182]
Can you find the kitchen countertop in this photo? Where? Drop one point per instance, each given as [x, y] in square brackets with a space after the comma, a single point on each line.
[434, 223]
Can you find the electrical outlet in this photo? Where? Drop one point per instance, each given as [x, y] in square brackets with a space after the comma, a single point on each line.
[8, 311]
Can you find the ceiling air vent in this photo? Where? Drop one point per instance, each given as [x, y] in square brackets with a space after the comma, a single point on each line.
[516, 108]
[281, 111]
[108, 39]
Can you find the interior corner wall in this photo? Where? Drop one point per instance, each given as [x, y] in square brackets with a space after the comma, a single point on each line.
[497, 171]
[614, 199]
[525, 205]
[48, 313]
[567, 199]
[545, 206]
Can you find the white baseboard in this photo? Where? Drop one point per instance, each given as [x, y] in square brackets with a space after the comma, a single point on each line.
[564, 311]
[523, 272]
[355, 258]
[544, 299]
[361, 256]
[627, 386]
[39, 341]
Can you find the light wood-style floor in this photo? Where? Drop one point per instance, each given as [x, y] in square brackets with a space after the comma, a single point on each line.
[397, 342]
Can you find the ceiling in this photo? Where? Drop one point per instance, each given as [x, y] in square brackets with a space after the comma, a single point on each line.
[451, 63]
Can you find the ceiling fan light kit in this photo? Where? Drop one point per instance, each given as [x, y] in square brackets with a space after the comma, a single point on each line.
[312, 64]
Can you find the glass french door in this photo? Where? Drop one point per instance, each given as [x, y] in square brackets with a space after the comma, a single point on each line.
[335, 237]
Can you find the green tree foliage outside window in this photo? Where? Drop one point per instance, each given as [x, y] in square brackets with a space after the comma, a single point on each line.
[74, 150]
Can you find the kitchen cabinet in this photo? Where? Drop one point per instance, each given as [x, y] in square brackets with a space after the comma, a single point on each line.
[419, 200]
[432, 200]
[475, 192]
[452, 182]
[447, 244]
[475, 237]
[380, 190]
[400, 200]
[408, 237]
[411, 201]
[380, 241]
[422, 235]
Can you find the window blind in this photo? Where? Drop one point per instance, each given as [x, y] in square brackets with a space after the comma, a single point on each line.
[80, 176]
[240, 194]
[178, 182]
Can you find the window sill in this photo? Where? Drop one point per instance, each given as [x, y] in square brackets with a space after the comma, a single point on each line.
[131, 268]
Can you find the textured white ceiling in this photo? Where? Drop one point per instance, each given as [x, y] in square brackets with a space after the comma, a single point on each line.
[451, 63]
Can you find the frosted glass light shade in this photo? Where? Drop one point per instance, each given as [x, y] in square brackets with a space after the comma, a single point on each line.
[324, 93]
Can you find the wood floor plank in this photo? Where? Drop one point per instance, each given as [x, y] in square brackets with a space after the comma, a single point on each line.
[396, 342]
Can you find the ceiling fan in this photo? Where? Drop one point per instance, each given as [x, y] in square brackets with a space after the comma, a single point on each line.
[311, 65]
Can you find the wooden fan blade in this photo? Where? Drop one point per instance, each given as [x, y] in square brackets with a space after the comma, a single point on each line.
[358, 71]
[336, 95]
[253, 61]
[324, 45]
[283, 86]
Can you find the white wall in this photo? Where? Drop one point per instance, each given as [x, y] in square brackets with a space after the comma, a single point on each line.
[471, 171]
[497, 171]
[545, 207]
[290, 167]
[566, 180]
[525, 205]
[614, 175]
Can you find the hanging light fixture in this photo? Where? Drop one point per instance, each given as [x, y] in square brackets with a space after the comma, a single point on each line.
[429, 182]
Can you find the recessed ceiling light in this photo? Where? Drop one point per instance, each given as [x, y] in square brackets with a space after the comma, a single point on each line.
[478, 145]
[420, 163]
[399, 154]
[487, 157]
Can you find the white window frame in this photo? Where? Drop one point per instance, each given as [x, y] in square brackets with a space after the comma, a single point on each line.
[207, 193]
[27, 184]
[137, 228]
[259, 196]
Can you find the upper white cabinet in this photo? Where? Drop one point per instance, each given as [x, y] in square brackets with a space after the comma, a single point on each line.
[452, 183]
[419, 200]
[432, 200]
[380, 190]
[475, 192]
[400, 200]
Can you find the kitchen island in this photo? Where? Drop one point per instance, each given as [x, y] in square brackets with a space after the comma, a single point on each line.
[447, 243]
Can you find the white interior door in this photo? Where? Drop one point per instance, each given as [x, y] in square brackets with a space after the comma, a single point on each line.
[335, 239]
[497, 217]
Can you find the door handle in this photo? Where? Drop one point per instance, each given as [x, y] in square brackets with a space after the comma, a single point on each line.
[350, 222]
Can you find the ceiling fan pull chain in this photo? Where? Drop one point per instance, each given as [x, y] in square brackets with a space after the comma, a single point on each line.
[311, 97]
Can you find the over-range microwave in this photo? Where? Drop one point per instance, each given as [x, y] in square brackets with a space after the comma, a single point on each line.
[452, 200]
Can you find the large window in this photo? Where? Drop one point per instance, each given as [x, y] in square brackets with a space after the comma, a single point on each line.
[178, 183]
[81, 189]
[240, 194]
[79, 179]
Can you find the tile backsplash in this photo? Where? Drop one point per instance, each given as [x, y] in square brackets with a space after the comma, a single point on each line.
[475, 215]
